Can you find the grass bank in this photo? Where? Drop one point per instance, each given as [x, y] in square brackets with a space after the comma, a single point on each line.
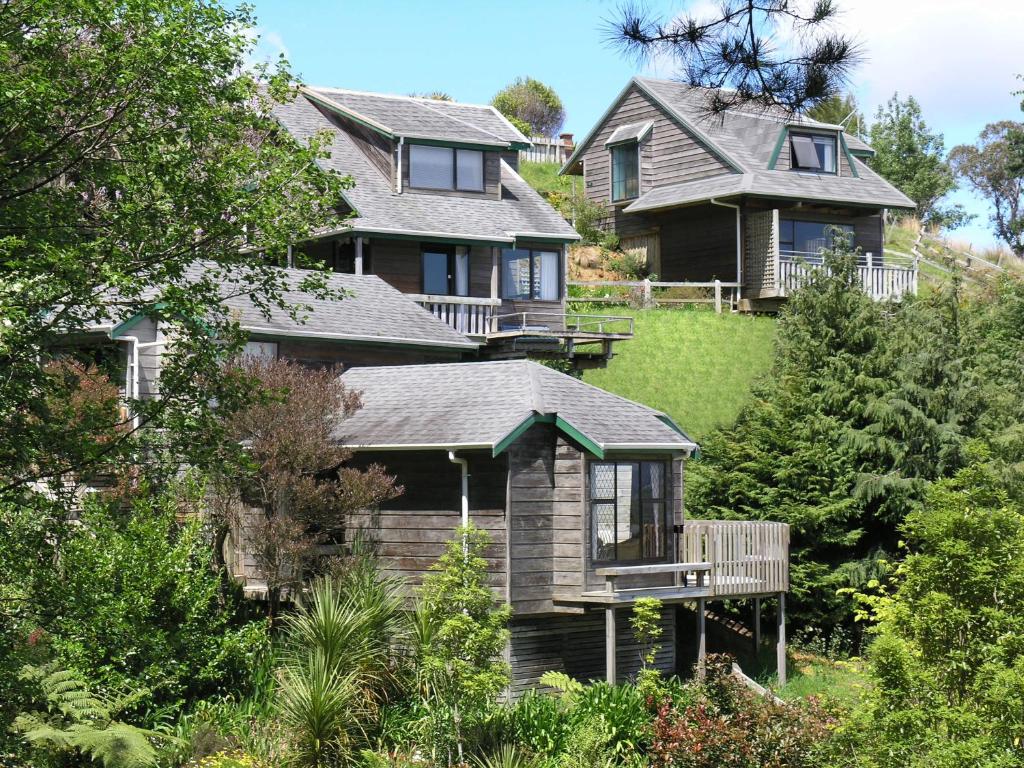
[693, 364]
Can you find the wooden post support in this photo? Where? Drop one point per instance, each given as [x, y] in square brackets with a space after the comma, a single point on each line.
[718, 296]
[757, 626]
[702, 638]
[609, 644]
[780, 646]
[646, 301]
[359, 256]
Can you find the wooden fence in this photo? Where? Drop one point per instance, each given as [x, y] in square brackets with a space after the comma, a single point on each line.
[652, 293]
[746, 557]
[546, 150]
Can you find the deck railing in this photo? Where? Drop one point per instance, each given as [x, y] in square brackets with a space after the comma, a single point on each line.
[466, 314]
[560, 324]
[746, 557]
[655, 293]
[890, 278]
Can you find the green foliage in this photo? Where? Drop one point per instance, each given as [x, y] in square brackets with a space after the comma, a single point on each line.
[507, 756]
[677, 354]
[75, 720]
[534, 108]
[840, 110]
[338, 665]
[866, 404]
[461, 658]
[729, 726]
[911, 156]
[143, 144]
[632, 265]
[129, 593]
[948, 658]
[645, 621]
[566, 194]
[993, 169]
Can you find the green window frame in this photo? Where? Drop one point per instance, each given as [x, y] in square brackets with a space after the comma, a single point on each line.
[625, 171]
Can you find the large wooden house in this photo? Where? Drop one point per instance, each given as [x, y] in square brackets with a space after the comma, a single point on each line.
[746, 198]
[581, 490]
[439, 211]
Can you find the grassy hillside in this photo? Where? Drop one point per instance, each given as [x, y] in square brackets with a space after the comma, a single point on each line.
[545, 179]
[694, 365]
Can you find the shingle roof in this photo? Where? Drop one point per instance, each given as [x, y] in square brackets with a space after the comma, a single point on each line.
[520, 211]
[747, 141]
[484, 405]
[370, 311]
[420, 118]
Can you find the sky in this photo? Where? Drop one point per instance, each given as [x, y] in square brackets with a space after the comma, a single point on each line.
[958, 58]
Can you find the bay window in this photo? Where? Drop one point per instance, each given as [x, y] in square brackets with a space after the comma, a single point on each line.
[628, 510]
[625, 171]
[530, 274]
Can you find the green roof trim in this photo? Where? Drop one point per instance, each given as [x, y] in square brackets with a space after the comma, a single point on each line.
[454, 239]
[496, 147]
[134, 320]
[668, 422]
[563, 426]
[348, 115]
[849, 156]
[778, 147]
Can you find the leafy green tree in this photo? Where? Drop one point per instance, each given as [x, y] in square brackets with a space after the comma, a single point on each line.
[135, 142]
[531, 106]
[911, 155]
[840, 110]
[126, 593]
[993, 169]
[948, 658]
[462, 656]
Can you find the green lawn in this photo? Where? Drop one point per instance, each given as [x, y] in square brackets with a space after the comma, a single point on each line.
[843, 681]
[693, 364]
[544, 178]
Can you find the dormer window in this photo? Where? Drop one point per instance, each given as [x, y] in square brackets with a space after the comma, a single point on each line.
[446, 168]
[625, 171]
[813, 152]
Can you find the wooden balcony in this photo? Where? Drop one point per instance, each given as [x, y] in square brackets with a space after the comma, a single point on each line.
[890, 277]
[717, 559]
[466, 314]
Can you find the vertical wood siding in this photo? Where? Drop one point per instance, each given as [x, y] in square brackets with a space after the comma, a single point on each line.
[575, 645]
[670, 154]
[698, 243]
[546, 519]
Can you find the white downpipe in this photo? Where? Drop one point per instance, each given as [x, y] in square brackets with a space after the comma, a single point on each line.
[739, 236]
[131, 376]
[464, 467]
[401, 143]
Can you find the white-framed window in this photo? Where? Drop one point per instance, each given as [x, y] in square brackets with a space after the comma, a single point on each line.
[813, 152]
[446, 168]
[628, 510]
[531, 274]
[625, 162]
[261, 350]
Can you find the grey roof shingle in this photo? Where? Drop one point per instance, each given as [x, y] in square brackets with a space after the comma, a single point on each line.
[370, 311]
[747, 141]
[422, 118]
[481, 404]
[381, 210]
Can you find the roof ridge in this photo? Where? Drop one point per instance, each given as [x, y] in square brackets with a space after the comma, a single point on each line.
[398, 96]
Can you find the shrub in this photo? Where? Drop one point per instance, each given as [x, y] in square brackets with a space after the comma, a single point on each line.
[631, 264]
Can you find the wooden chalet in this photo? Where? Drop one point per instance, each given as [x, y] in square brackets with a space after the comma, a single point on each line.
[747, 198]
[439, 211]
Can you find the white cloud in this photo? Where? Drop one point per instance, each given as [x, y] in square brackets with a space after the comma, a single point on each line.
[267, 47]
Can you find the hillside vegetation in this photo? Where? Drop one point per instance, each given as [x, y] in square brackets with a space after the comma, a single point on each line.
[693, 364]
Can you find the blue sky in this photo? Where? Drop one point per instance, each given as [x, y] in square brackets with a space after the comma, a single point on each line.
[958, 57]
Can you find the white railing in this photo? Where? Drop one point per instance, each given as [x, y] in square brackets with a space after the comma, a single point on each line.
[746, 557]
[546, 150]
[466, 314]
[653, 293]
[560, 325]
[890, 278]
